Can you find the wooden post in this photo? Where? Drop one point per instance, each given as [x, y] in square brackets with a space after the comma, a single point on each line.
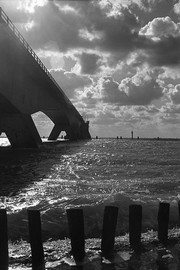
[36, 239]
[3, 240]
[135, 226]
[108, 231]
[163, 220]
[76, 232]
[179, 210]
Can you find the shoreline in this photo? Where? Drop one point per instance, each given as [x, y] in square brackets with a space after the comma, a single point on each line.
[58, 253]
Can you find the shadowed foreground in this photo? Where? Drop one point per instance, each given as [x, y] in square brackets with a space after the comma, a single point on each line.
[57, 254]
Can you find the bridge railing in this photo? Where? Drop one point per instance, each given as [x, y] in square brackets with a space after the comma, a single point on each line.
[6, 19]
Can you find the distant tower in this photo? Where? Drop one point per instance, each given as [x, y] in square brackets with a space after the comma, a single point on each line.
[132, 135]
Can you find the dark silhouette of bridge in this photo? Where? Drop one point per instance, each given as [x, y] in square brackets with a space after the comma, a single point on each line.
[27, 87]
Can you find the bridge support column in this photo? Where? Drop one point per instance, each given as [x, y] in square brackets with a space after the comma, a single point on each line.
[20, 130]
[55, 132]
[79, 132]
[85, 131]
[73, 132]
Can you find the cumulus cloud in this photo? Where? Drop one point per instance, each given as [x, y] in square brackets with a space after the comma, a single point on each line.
[151, 109]
[175, 94]
[170, 74]
[115, 6]
[53, 24]
[170, 109]
[166, 52]
[153, 5]
[98, 50]
[177, 8]
[161, 27]
[162, 44]
[138, 90]
[29, 6]
[86, 25]
[89, 27]
[105, 117]
[170, 115]
[70, 81]
[119, 35]
[90, 63]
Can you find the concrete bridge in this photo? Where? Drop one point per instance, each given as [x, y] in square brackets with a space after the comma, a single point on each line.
[27, 87]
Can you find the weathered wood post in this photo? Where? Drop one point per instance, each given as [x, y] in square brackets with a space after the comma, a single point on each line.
[163, 220]
[108, 231]
[135, 226]
[35, 238]
[179, 210]
[76, 231]
[3, 240]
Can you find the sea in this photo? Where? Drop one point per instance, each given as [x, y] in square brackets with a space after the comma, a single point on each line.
[90, 175]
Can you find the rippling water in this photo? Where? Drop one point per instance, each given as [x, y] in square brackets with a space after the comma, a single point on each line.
[89, 174]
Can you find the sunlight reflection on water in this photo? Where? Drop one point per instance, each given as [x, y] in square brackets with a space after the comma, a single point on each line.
[90, 174]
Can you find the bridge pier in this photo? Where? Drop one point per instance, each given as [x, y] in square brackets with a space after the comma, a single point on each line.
[73, 132]
[20, 130]
[79, 132]
[85, 130]
[55, 132]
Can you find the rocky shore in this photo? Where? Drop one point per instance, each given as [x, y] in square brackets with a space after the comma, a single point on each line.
[58, 254]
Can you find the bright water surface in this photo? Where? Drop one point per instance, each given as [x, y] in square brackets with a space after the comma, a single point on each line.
[89, 174]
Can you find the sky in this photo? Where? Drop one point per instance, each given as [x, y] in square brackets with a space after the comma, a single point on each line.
[118, 61]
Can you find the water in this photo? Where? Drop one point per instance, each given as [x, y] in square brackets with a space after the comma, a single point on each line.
[90, 175]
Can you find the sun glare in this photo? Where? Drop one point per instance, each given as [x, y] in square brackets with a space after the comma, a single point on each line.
[30, 5]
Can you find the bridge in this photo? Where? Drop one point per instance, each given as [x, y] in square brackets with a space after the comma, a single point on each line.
[27, 87]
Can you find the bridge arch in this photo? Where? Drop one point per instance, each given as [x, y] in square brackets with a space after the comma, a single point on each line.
[43, 123]
[30, 88]
[18, 127]
[61, 123]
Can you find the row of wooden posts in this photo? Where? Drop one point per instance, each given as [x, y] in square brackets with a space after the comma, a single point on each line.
[76, 232]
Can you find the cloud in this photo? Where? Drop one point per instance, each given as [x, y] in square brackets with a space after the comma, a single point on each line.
[175, 94]
[161, 45]
[112, 58]
[116, 6]
[127, 119]
[89, 27]
[170, 74]
[170, 109]
[54, 25]
[105, 117]
[70, 82]
[177, 8]
[18, 17]
[90, 63]
[161, 27]
[151, 109]
[119, 34]
[166, 52]
[170, 117]
[86, 25]
[29, 6]
[140, 89]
